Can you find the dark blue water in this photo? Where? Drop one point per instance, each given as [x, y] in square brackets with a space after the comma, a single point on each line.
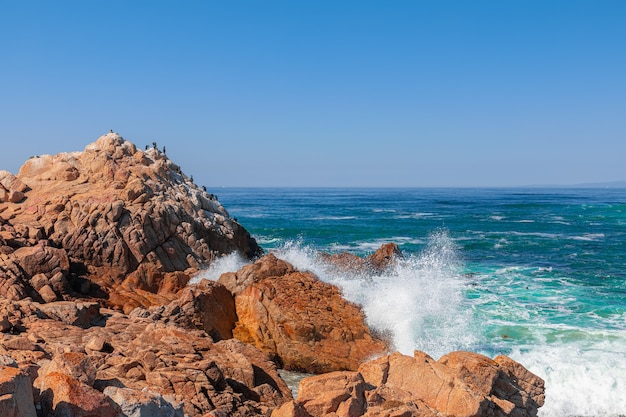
[537, 274]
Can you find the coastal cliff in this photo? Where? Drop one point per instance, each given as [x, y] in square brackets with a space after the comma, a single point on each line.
[97, 316]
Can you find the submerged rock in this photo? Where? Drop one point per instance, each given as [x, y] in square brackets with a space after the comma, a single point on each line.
[377, 262]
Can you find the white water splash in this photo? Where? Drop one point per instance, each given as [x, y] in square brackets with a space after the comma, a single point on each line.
[419, 301]
[228, 263]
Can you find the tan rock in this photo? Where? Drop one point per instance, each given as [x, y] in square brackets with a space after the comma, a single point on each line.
[47, 293]
[11, 183]
[81, 314]
[290, 409]
[96, 343]
[18, 343]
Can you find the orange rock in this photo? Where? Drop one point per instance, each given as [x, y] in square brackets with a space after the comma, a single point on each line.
[336, 392]
[63, 395]
[304, 323]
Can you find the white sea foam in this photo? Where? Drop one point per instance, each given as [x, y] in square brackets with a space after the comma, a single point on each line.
[333, 218]
[589, 237]
[417, 215]
[266, 240]
[500, 243]
[228, 263]
[580, 380]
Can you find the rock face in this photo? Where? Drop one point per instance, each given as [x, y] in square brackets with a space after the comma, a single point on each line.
[460, 384]
[111, 216]
[302, 322]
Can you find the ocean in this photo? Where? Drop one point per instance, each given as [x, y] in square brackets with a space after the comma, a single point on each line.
[536, 274]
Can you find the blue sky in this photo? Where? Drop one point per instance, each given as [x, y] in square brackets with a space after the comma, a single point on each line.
[325, 93]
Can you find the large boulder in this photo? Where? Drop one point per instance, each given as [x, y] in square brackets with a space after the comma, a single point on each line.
[302, 322]
[111, 214]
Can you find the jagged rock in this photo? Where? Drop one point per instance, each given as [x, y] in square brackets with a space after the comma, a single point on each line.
[147, 351]
[75, 364]
[336, 392]
[304, 323]
[16, 393]
[207, 305]
[11, 188]
[81, 314]
[111, 214]
[384, 256]
[96, 343]
[377, 262]
[459, 384]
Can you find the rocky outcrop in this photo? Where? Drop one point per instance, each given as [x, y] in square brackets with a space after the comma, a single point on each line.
[134, 363]
[460, 384]
[300, 321]
[109, 219]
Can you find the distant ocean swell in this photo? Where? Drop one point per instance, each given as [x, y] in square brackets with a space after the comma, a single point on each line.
[550, 298]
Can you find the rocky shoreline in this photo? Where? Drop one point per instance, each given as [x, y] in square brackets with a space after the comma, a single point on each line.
[97, 316]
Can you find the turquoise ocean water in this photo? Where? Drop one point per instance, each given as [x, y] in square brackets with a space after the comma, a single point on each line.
[536, 274]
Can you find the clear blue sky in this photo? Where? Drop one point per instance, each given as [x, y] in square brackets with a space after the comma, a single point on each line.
[325, 93]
